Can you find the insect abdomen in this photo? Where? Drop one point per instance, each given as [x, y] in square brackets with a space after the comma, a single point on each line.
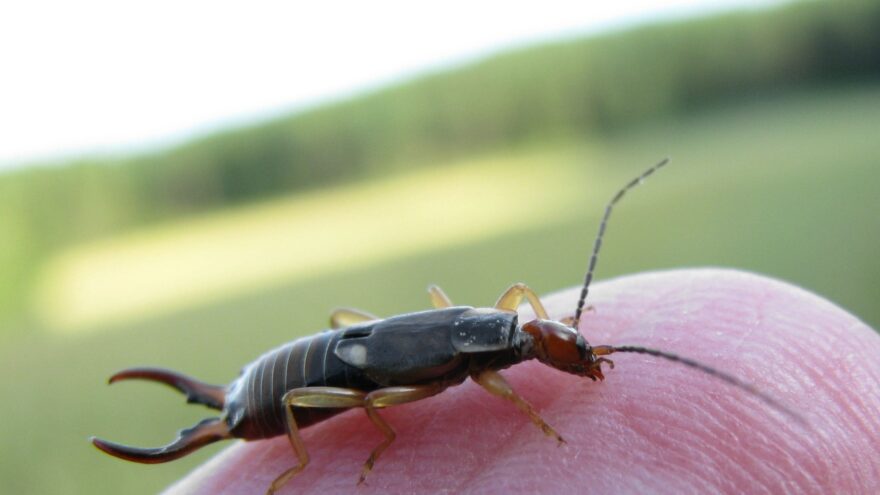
[254, 402]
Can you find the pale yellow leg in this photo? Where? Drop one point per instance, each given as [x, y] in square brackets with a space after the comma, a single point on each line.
[513, 296]
[391, 396]
[439, 299]
[346, 317]
[310, 397]
[569, 320]
[334, 397]
[495, 384]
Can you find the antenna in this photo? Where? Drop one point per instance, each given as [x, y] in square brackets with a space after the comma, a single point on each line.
[603, 350]
[598, 244]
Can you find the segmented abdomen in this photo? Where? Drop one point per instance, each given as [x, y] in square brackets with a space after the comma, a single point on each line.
[254, 402]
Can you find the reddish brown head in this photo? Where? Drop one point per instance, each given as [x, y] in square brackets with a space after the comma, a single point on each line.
[564, 348]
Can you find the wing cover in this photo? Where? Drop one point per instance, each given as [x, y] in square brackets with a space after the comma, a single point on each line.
[418, 347]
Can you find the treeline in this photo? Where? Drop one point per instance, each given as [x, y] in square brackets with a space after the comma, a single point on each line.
[580, 87]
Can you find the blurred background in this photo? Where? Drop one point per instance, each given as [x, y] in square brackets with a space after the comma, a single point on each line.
[188, 187]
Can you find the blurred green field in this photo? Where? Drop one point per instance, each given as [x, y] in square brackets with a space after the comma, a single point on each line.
[572, 86]
[786, 186]
[196, 260]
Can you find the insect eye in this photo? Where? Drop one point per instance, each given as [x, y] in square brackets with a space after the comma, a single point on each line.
[583, 348]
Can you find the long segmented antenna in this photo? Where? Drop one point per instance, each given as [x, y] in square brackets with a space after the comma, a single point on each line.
[598, 244]
[602, 350]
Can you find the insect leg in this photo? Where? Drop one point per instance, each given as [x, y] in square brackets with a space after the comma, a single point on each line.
[439, 299]
[331, 397]
[495, 384]
[569, 320]
[385, 397]
[513, 296]
[346, 317]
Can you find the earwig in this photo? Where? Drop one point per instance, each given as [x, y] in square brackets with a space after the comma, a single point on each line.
[371, 362]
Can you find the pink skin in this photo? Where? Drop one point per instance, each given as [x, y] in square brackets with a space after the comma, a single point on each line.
[652, 427]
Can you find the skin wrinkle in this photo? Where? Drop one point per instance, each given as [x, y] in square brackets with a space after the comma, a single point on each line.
[768, 443]
[468, 463]
[655, 417]
[788, 466]
[835, 409]
[830, 436]
[859, 409]
[729, 447]
[759, 310]
[522, 457]
[674, 464]
[805, 470]
[721, 451]
[434, 460]
[769, 446]
[856, 411]
[509, 442]
[718, 454]
[653, 426]
[474, 474]
[682, 435]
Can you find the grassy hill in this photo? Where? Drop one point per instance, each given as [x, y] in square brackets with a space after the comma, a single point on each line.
[785, 187]
[589, 88]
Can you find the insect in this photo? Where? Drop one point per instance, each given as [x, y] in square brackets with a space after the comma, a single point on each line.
[372, 363]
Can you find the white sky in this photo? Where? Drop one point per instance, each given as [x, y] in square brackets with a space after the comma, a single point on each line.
[107, 76]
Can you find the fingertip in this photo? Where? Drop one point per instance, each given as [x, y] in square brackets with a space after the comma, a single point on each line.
[651, 426]
[802, 352]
